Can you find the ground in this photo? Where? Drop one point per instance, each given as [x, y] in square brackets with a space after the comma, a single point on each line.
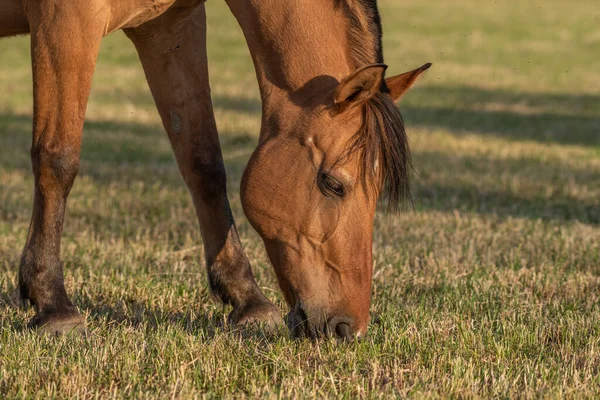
[490, 286]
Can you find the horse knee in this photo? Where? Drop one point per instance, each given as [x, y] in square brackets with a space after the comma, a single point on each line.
[55, 165]
[206, 171]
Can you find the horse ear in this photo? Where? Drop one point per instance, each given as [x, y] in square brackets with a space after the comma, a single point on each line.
[360, 85]
[400, 84]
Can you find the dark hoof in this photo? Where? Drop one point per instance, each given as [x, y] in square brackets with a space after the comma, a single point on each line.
[59, 323]
[260, 313]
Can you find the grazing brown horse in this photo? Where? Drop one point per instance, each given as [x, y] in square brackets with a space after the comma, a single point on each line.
[331, 142]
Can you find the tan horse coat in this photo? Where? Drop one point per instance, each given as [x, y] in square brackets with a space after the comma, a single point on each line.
[321, 79]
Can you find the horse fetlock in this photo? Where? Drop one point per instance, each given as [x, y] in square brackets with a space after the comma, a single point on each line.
[42, 285]
[229, 274]
[225, 288]
[238, 288]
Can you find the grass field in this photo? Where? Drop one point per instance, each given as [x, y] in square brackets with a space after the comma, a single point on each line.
[489, 287]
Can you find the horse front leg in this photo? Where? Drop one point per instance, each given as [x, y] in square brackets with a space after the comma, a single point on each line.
[172, 49]
[64, 45]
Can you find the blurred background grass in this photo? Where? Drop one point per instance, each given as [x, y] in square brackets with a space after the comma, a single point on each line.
[490, 287]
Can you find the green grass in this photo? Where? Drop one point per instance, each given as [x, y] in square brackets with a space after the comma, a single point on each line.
[489, 288]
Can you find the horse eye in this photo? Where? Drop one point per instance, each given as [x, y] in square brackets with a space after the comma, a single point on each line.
[330, 185]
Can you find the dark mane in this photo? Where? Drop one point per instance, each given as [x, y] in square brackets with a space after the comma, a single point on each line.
[381, 137]
[381, 140]
[365, 32]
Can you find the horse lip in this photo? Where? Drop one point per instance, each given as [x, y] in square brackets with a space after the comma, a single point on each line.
[299, 324]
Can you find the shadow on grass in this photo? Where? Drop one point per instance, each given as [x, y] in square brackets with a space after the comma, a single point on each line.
[541, 188]
[105, 143]
[542, 117]
[143, 99]
[545, 118]
[246, 105]
[504, 204]
[138, 314]
[133, 154]
[127, 312]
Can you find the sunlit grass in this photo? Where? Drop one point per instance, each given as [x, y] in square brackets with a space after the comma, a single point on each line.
[490, 287]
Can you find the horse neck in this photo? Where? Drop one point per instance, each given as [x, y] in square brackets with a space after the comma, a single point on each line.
[296, 52]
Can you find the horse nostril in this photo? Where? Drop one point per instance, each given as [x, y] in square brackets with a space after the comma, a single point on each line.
[341, 328]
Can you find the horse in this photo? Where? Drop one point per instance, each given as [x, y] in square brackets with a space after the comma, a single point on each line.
[332, 142]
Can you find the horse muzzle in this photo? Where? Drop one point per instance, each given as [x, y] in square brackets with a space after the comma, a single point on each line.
[314, 325]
